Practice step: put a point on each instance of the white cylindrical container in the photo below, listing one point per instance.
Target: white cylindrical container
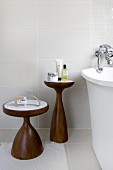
(52, 77)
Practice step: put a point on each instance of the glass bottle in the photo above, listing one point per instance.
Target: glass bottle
(64, 73)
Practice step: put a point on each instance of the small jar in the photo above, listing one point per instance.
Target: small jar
(20, 101)
(52, 77)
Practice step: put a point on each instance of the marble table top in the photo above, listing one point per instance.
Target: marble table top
(31, 105)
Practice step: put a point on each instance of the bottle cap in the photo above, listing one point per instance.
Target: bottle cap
(64, 66)
(59, 78)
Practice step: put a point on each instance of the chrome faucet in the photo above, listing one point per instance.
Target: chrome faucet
(105, 51)
(98, 69)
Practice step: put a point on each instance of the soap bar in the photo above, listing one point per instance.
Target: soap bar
(20, 101)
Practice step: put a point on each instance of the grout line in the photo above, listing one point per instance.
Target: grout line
(63, 2)
(58, 30)
(79, 143)
(69, 166)
(47, 128)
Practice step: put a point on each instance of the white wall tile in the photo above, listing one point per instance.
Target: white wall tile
(44, 134)
(76, 100)
(65, 1)
(79, 120)
(17, 1)
(9, 93)
(35, 121)
(45, 120)
(18, 73)
(101, 1)
(17, 15)
(76, 108)
(83, 136)
(49, 95)
(10, 122)
(5, 135)
(61, 44)
(18, 45)
(65, 16)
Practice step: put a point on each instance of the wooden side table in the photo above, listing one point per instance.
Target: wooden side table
(58, 131)
(27, 143)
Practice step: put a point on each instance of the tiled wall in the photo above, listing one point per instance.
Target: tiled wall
(33, 33)
(64, 32)
(101, 24)
(18, 53)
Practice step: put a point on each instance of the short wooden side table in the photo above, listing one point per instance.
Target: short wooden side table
(27, 143)
(58, 131)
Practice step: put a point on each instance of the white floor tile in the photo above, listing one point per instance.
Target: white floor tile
(12, 135)
(80, 136)
(44, 134)
(79, 151)
(82, 157)
(4, 133)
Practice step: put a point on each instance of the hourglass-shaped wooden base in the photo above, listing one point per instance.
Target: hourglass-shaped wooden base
(58, 131)
(27, 143)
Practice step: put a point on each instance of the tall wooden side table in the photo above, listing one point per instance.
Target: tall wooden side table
(58, 131)
(27, 143)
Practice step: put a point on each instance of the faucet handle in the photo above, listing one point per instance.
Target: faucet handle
(97, 53)
(109, 62)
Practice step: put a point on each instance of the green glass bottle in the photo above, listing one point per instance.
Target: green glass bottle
(64, 73)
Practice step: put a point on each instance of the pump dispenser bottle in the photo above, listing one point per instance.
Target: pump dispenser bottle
(64, 73)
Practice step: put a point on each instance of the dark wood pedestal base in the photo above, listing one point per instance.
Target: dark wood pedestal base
(27, 143)
(58, 131)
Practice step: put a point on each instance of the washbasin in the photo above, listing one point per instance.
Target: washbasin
(104, 78)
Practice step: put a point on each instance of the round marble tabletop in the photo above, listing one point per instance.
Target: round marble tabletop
(31, 105)
(30, 109)
(59, 84)
(62, 81)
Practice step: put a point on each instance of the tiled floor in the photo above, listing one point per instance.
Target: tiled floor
(79, 151)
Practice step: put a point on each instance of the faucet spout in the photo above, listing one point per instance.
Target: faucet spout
(98, 69)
